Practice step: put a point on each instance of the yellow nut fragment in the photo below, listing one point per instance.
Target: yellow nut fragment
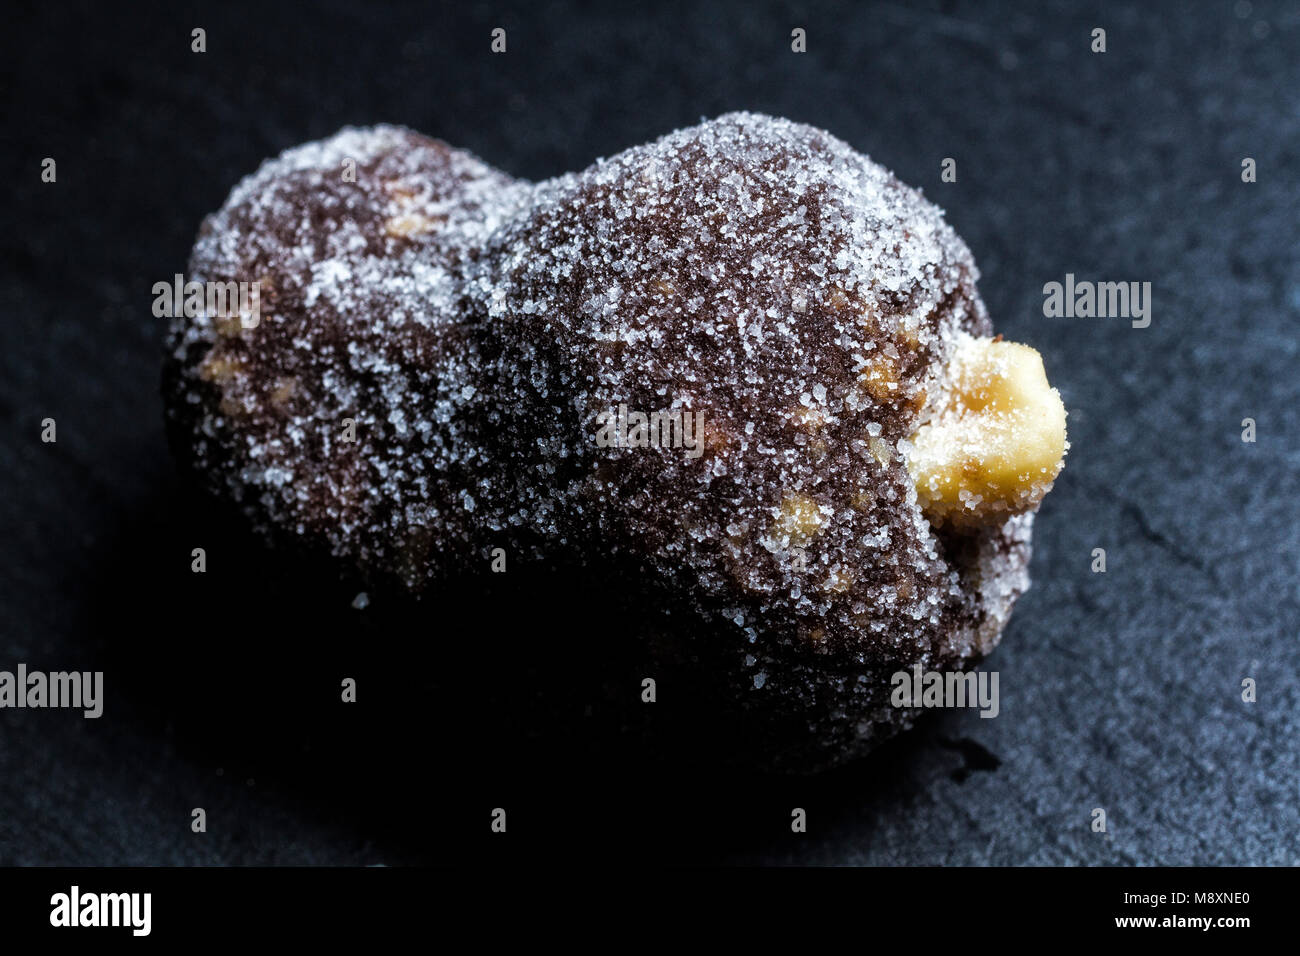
(880, 379)
(402, 191)
(406, 226)
(798, 520)
(220, 367)
(880, 450)
(996, 443)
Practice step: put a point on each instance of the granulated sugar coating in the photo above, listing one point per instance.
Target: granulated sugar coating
(361, 321)
(791, 302)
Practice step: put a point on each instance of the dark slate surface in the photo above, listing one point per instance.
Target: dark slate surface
(1119, 690)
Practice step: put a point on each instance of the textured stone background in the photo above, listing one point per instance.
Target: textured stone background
(1119, 690)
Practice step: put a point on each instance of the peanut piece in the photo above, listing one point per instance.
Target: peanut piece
(995, 445)
(799, 519)
(406, 226)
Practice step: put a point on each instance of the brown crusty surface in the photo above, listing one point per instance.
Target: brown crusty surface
(756, 271)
